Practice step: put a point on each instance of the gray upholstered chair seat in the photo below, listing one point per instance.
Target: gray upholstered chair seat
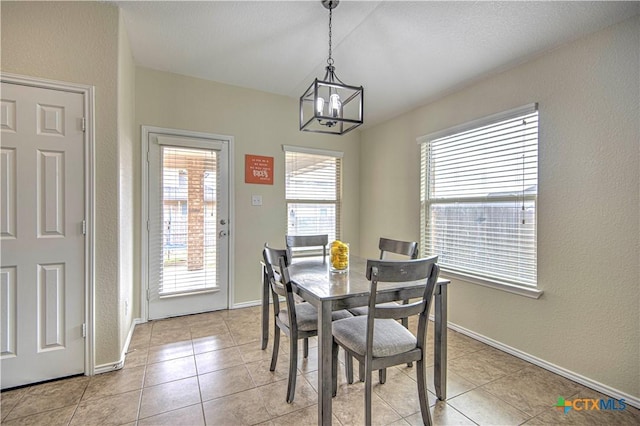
(364, 310)
(389, 336)
(307, 316)
(338, 315)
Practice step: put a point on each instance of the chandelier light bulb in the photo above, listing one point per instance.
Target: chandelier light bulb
(335, 105)
(320, 106)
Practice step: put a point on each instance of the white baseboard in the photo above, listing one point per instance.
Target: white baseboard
(105, 368)
(578, 378)
(113, 366)
(246, 304)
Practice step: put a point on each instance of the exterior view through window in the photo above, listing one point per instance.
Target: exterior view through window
(312, 186)
(189, 214)
(479, 185)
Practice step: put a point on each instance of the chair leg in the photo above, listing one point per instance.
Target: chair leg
(293, 368)
(276, 345)
(306, 348)
(382, 375)
(361, 371)
(367, 398)
(348, 366)
(405, 323)
(334, 369)
(422, 392)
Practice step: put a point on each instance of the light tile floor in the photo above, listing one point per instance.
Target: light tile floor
(209, 369)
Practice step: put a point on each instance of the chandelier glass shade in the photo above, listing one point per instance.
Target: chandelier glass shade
(329, 105)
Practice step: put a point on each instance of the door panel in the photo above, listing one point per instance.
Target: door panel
(8, 193)
(42, 196)
(188, 215)
(9, 307)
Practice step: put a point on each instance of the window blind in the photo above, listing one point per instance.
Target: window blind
(479, 185)
(312, 191)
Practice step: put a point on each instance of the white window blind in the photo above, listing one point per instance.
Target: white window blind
(479, 185)
(313, 190)
(188, 209)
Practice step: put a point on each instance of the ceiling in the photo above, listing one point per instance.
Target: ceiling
(404, 53)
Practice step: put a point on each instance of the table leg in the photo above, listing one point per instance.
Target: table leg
(265, 308)
(325, 340)
(440, 340)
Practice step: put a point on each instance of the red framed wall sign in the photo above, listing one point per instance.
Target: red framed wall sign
(258, 169)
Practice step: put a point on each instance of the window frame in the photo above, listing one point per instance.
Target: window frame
(511, 286)
(337, 203)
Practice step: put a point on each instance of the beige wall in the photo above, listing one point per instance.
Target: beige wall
(588, 319)
(77, 42)
(260, 124)
(128, 299)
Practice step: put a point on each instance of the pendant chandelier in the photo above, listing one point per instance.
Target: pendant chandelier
(329, 105)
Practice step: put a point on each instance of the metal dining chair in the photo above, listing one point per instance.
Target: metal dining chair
(406, 248)
(265, 295)
(297, 241)
(297, 320)
(377, 340)
(386, 246)
(302, 241)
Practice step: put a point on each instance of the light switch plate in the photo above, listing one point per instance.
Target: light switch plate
(256, 200)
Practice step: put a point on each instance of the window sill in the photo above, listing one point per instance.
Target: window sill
(530, 292)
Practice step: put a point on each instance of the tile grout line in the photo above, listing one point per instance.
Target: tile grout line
(144, 377)
(204, 419)
(27, 388)
(75, 411)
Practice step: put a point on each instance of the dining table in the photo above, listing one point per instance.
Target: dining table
(329, 291)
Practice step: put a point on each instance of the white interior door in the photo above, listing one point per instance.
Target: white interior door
(188, 244)
(42, 202)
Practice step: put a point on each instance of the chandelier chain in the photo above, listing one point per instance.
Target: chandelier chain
(330, 59)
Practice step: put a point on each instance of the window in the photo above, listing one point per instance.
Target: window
(479, 185)
(312, 191)
(188, 209)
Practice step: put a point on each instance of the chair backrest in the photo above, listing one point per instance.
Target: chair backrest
(274, 254)
(276, 264)
(271, 258)
(406, 248)
(394, 271)
(307, 241)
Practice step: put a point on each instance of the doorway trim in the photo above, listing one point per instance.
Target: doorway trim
(88, 93)
(144, 209)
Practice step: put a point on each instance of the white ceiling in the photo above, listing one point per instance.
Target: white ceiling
(403, 53)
